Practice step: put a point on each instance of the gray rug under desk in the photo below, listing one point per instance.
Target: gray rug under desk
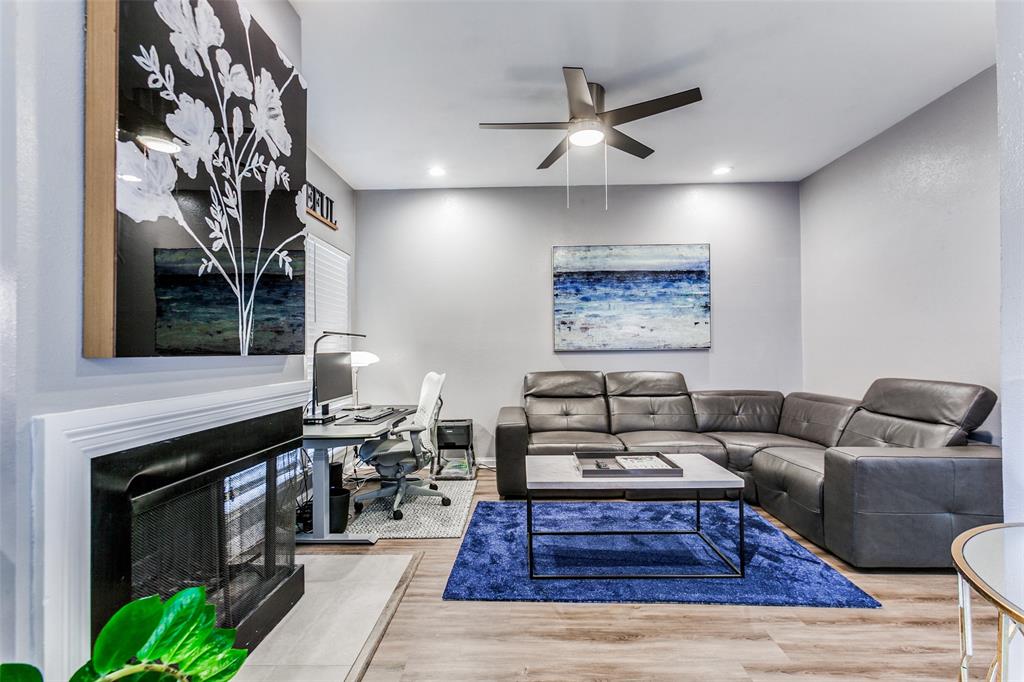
(423, 517)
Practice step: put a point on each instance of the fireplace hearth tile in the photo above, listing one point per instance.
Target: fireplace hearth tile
(337, 624)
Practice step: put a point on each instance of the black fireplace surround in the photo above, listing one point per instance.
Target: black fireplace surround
(213, 508)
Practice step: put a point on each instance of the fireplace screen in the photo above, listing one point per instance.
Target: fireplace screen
(234, 534)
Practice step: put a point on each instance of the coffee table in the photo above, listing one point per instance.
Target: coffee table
(558, 472)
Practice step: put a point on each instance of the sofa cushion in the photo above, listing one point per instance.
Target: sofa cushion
(737, 410)
(645, 383)
(917, 413)
(674, 442)
(568, 442)
(651, 413)
(646, 401)
(964, 406)
(567, 414)
(789, 486)
(564, 384)
(565, 401)
(816, 417)
(741, 445)
(870, 429)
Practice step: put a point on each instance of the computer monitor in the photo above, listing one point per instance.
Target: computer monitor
(332, 377)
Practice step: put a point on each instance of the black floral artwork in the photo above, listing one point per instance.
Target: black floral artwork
(211, 157)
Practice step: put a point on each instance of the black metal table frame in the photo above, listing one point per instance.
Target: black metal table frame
(733, 571)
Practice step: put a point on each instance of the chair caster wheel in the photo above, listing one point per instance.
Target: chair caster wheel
(432, 486)
(397, 515)
(445, 502)
(358, 507)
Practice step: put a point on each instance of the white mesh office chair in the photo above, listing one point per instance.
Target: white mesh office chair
(396, 459)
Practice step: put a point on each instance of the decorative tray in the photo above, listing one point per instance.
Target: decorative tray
(625, 465)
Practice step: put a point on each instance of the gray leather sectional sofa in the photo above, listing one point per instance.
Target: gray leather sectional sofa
(885, 481)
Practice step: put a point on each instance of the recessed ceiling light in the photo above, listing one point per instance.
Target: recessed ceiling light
(159, 144)
(128, 177)
(436, 171)
(586, 133)
(722, 170)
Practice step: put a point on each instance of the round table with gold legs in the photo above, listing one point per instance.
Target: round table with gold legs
(990, 559)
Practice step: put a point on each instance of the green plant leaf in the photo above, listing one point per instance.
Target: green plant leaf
(178, 619)
(149, 676)
(212, 666)
(19, 672)
(125, 633)
(85, 674)
(193, 640)
(216, 642)
(231, 661)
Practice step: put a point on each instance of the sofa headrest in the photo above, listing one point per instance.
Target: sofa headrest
(645, 383)
(564, 384)
(965, 406)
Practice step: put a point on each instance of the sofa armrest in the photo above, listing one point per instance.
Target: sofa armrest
(902, 507)
(511, 437)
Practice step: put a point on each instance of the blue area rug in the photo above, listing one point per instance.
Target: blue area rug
(491, 565)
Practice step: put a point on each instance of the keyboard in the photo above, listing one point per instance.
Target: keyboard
(373, 414)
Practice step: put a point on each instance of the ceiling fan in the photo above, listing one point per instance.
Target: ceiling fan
(589, 124)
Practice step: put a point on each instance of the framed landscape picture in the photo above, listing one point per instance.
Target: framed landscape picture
(632, 297)
(194, 239)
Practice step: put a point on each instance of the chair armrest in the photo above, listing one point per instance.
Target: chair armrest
(902, 507)
(511, 438)
(409, 428)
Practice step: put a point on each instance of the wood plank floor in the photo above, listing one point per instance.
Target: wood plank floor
(912, 637)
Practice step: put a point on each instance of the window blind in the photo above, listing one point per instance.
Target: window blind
(327, 305)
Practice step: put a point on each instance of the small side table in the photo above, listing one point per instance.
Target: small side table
(990, 559)
(456, 460)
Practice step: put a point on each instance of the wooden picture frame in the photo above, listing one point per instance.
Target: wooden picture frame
(99, 291)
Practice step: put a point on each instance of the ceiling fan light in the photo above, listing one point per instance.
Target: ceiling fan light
(586, 133)
(159, 144)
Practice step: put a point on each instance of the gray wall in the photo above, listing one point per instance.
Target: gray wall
(14, 470)
(41, 173)
(460, 281)
(326, 180)
(900, 251)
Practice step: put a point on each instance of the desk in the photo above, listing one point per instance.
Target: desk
(321, 440)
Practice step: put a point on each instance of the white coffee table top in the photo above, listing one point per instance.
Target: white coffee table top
(558, 472)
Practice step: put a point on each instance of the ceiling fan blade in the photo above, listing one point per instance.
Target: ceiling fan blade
(552, 125)
(581, 104)
(555, 154)
(650, 107)
(627, 143)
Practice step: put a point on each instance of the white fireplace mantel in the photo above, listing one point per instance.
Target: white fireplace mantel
(64, 444)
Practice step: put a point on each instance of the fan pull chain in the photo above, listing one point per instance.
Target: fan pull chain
(567, 171)
(606, 173)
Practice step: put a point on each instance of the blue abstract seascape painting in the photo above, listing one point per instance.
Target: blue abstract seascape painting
(632, 297)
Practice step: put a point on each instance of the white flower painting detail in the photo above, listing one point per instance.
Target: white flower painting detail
(268, 116)
(215, 135)
(145, 183)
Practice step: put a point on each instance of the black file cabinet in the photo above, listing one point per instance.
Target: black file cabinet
(456, 460)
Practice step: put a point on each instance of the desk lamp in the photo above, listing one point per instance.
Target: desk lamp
(360, 358)
(313, 402)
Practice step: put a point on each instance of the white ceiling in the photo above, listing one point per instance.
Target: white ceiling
(395, 87)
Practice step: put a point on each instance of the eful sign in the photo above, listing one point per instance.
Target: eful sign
(320, 206)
